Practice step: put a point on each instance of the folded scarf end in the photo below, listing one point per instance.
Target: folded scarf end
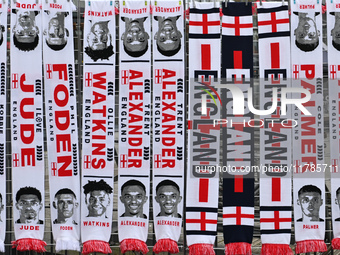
(67, 244)
(238, 248)
(96, 246)
(133, 245)
(310, 246)
(29, 244)
(336, 243)
(201, 248)
(276, 249)
(166, 245)
(2, 246)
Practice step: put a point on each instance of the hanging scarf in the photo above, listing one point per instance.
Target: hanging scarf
(238, 143)
(98, 126)
(333, 21)
(3, 114)
(61, 121)
(204, 137)
(168, 123)
(134, 125)
(27, 127)
(275, 138)
(308, 143)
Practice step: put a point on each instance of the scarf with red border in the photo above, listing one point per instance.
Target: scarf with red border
(3, 114)
(98, 125)
(275, 134)
(134, 125)
(62, 127)
(238, 143)
(333, 19)
(27, 128)
(168, 123)
(308, 140)
(204, 137)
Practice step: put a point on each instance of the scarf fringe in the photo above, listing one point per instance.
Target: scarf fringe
(67, 244)
(276, 249)
(2, 246)
(238, 248)
(310, 246)
(96, 246)
(29, 244)
(166, 245)
(336, 243)
(133, 245)
(201, 248)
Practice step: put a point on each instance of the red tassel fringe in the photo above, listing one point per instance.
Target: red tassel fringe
(201, 248)
(238, 248)
(336, 243)
(166, 245)
(276, 249)
(96, 246)
(29, 244)
(310, 246)
(133, 245)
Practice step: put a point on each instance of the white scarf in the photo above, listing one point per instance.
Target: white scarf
(134, 125)
(98, 125)
(61, 120)
(168, 123)
(27, 127)
(308, 142)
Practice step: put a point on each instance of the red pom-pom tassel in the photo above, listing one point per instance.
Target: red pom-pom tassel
(201, 248)
(166, 245)
(133, 245)
(29, 244)
(276, 249)
(238, 248)
(310, 246)
(336, 243)
(96, 246)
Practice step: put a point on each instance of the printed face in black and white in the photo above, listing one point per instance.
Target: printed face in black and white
(133, 197)
(135, 39)
(310, 203)
(25, 29)
(29, 207)
(97, 203)
(66, 204)
(56, 33)
(99, 37)
(168, 198)
(306, 31)
(168, 38)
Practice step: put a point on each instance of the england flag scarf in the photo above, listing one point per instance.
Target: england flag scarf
(134, 124)
(98, 126)
(333, 22)
(168, 123)
(238, 133)
(204, 137)
(27, 126)
(275, 131)
(3, 114)
(61, 123)
(308, 142)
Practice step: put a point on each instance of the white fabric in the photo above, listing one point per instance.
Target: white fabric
(62, 127)
(27, 129)
(168, 123)
(308, 146)
(134, 121)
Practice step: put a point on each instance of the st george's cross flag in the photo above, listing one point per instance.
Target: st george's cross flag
(204, 138)
(276, 129)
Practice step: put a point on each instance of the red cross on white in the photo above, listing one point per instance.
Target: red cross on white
(158, 76)
(335, 166)
(158, 161)
(272, 23)
(208, 20)
(15, 159)
(48, 71)
(123, 161)
(296, 70)
(87, 161)
(332, 72)
(239, 215)
(54, 168)
(15, 80)
(276, 219)
(125, 77)
(203, 221)
(88, 79)
(237, 26)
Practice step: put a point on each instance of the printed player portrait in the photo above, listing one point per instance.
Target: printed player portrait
(133, 196)
(168, 38)
(29, 205)
(337, 201)
(135, 39)
(2, 207)
(306, 34)
(25, 31)
(56, 34)
(335, 32)
(66, 203)
(310, 201)
(97, 198)
(99, 41)
(168, 197)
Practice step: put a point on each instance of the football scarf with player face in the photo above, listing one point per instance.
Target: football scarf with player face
(134, 125)
(168, 123)
(98, 126)
(61, 123)
(308, 136)
(276, 130)
(27, 126)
